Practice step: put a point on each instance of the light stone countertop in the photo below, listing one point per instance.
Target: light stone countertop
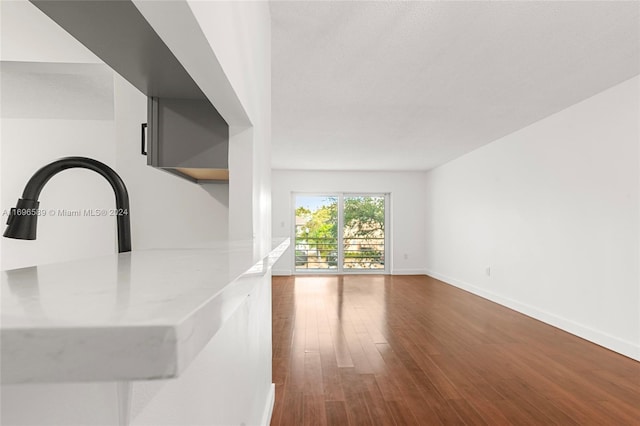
(131, 316)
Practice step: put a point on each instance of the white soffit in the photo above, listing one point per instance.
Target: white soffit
(412, 85)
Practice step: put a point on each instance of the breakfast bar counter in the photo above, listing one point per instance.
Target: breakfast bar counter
(141, 315)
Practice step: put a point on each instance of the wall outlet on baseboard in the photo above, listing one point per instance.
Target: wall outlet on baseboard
(488, 271)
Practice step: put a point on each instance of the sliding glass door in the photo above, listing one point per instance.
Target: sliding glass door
(363, 227)
(316, 231)
(340, 233)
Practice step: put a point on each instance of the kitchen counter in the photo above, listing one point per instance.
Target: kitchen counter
(132, 316)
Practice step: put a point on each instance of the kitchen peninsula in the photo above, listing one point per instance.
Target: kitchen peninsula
(137, 316)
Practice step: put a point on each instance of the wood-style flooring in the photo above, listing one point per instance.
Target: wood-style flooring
(411, 350)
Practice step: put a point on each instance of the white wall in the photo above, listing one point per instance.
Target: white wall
(240, 35)
(407, 209)
(166, 211)
(57, 101)
(29, 35)
(553, 210)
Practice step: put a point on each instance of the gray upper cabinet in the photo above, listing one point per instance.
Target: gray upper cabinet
(189, 138)
(185, 135)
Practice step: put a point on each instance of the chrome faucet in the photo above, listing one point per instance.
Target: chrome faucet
(23, 219)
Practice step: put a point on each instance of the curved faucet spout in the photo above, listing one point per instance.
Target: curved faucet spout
(22, 222)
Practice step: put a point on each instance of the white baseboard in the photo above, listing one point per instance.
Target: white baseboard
(626, 348)
(409, 272)
(281, 272)
(268, 408)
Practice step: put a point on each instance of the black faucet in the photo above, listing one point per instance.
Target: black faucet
(23, 218)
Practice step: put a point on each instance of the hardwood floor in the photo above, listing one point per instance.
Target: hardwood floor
(410, 350)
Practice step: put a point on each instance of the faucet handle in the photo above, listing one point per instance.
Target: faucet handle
(23, 220)
(12, 214)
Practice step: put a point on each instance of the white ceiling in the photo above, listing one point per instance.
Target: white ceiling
(412, 85)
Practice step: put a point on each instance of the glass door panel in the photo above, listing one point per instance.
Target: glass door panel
(316, 233)
(363, 232)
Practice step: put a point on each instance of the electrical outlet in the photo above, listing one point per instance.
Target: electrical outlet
(406, 256)
(488, 271)
(282, 224)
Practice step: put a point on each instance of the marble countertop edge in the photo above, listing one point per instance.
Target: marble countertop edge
(133, 349)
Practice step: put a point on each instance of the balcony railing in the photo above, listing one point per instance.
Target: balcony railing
(322, 253)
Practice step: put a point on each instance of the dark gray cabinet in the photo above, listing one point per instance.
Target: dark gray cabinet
(185, 134)
(189, 138)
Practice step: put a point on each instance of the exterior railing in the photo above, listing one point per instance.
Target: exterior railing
(322, 253)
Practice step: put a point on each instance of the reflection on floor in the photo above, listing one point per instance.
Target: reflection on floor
(373, 349)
